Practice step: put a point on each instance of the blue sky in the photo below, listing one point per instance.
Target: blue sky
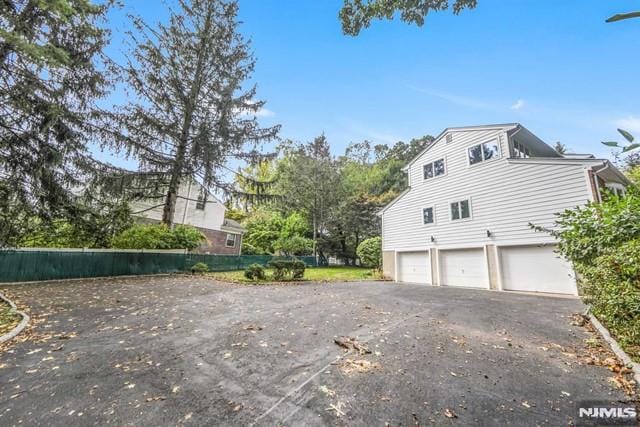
(553, 66)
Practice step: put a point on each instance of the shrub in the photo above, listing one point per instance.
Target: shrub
(287, 269)
(603, 242)
(611, 286)
(199, 268)
(255, 272)
(370, 252)
(158, 236)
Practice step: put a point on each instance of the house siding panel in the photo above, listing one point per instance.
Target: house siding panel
(505, 198)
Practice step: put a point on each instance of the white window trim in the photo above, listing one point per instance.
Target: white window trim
(615, 186)
(422, 216)
(446, 169)
(484, 161)
(458, 200)
(235, 240)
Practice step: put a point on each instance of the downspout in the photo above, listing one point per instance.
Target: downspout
(595, 176)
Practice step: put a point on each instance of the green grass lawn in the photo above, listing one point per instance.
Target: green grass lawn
(8, 318)
(318, 274)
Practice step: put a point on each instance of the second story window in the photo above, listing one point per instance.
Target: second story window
(483, 152)
(202, 201)
(433, 169)
(460, 210)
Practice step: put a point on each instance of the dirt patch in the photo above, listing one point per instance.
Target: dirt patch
(9, 319)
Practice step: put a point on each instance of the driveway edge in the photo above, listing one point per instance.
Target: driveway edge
(619, 352)
(23, 323)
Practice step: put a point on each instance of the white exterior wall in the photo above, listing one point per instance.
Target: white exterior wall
(212, 217)
(505, 197)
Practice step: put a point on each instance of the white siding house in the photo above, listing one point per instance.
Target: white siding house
(464, 220)
(198, 208)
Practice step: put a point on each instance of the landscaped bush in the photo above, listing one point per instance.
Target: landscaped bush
(611, 286)
(287, 269)
(158, 236)
(255, 272)
(370, 252)
(199, 268)
(602, 240)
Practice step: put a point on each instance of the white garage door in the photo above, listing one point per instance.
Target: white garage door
(536, 269)
(464, 267)
(414, 267)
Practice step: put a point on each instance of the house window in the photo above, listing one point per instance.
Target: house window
(483, 152)
(231, 240)
(520, 151)
(460, 210)
(433, 169)
(428, 216)
(202, 201)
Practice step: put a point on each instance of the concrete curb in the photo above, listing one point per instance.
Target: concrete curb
(619, 352)
(23, 323)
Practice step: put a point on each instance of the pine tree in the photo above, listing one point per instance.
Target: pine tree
(49, 83)
(192, 112)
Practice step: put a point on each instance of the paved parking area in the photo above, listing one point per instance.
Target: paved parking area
(174, 350)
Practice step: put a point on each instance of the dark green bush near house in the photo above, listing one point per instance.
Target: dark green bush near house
(602, 240)
(611, 286)
(370, 252)
(255, 272)
(158, 236)
(199, 268)
(287, 269)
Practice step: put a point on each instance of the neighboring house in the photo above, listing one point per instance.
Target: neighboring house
(464, 220)
(196, 207)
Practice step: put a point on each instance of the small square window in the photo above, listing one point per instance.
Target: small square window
(231, 240)
(427, 216)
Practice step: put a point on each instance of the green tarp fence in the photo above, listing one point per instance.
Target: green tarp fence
(29, 266)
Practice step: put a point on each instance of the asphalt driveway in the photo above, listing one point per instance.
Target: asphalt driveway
(173, 350)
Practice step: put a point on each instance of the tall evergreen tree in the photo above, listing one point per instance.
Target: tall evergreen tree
(192, 111)
(49, 82)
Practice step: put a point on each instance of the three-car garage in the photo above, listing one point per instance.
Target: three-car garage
(526, 268)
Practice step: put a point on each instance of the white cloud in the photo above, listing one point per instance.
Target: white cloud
(519, 105)
(264, 112)
(630, 123)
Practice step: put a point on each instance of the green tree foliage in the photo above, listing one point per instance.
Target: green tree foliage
(269, 231)
(92, 231)
(307, 182)
(51, 68)
(294, 245)
(625, 148)
(358, 14)
(193, 109)
(158, 236)
(370, 252)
